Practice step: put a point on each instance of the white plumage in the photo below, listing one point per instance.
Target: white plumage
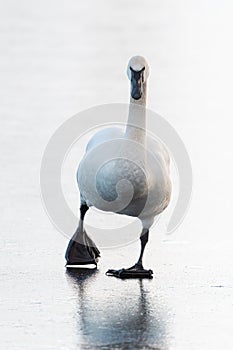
(125, 170)
(152, 174)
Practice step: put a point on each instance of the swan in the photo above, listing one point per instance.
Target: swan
(133, 179)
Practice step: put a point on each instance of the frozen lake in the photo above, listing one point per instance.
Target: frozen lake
(57, 59)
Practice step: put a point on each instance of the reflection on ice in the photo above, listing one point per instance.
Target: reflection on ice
(123, 316)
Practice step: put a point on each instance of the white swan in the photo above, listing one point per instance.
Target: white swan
(123, 171)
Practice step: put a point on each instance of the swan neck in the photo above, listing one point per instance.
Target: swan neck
(136, 124)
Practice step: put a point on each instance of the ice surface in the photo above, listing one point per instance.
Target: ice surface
(58, 58)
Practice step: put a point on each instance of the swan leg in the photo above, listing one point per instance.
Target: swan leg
(144, 239)
(137, 270)
(81, 249)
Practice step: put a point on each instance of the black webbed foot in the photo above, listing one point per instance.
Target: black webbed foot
(81, 252)
(136, 271)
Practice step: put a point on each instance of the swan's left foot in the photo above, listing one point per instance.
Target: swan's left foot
(82, 253)
(136, 271)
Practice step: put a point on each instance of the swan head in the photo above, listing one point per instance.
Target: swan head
(138, 72)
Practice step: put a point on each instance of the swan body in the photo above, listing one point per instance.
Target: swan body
(156, 172)
(124, 170)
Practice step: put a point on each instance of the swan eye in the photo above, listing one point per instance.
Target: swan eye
(143, 70)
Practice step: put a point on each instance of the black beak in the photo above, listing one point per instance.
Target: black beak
(136, 84)
(136, 89)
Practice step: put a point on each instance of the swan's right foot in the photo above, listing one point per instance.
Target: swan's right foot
(136, 271)
(83, 254)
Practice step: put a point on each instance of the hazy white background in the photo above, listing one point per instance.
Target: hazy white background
(58, 58)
